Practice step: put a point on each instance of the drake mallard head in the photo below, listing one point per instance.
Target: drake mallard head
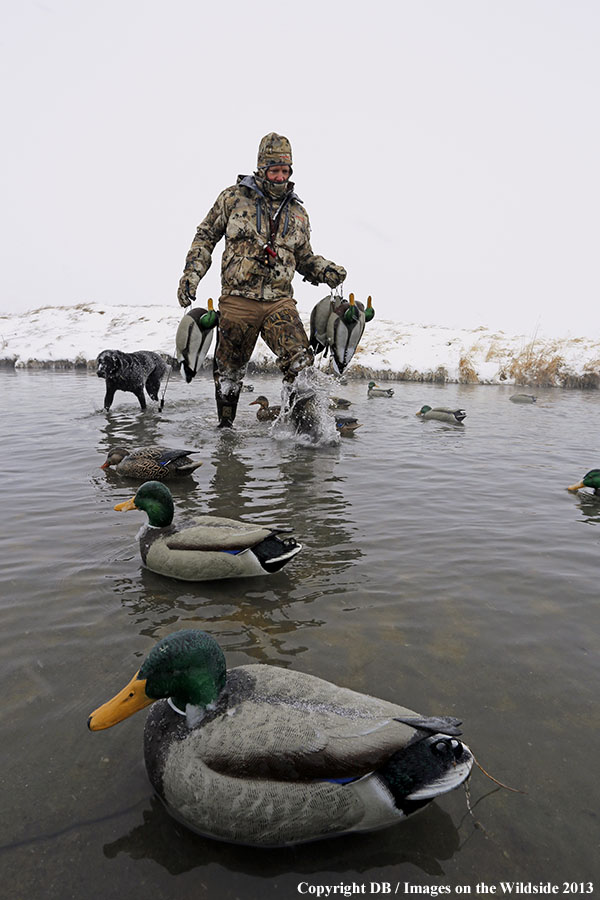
(591, 479)
(156, 500)
(423, 410)
(188, 667)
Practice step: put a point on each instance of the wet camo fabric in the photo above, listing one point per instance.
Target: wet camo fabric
(241, 215)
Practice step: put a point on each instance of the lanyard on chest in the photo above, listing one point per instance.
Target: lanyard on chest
(273, 220)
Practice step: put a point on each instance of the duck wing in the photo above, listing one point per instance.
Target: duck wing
(288, 725)
(215, 533)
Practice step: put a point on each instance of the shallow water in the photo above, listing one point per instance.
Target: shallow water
(446, 568)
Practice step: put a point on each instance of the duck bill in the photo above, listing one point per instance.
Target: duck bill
(253, 403)
(104, 465)
(575, 487)
(126, 505)
(130, 700)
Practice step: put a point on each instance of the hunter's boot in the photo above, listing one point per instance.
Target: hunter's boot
(226, 406)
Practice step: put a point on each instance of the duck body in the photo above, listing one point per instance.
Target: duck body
(265, 413)
(339, 403)
(279, 757)
(591, 479)
(194, 337)
(443, 414)
(522, 398)
(150, 463)
(347, 425)
(337, 325)
(373, 390)
(210, 548)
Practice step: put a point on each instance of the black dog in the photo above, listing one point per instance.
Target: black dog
(129, 372)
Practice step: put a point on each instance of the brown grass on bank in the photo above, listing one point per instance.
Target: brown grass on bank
(467, 374)
(529, 368)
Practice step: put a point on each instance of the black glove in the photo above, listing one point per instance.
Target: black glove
(186, 292)
(334, 275)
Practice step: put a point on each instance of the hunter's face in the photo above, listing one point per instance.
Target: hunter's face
(278, 174)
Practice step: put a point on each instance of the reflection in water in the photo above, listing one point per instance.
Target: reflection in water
(423, 841)
(589, 504)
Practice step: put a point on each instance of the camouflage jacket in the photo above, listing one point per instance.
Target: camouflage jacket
(241, 213)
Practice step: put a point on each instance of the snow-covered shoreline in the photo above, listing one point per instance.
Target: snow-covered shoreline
(72, 337)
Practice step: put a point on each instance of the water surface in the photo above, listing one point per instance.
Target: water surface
(445, 568)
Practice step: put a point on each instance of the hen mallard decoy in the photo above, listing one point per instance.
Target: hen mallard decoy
(150, 463)
(347, 425)
(339, 403)
(267, 756)
(265, 413)
(591, 479)
(443, 414)
(373, 390)
(211, 547)
(523, 398)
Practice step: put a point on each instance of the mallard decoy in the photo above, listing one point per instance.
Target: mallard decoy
(194, 337)
(337, 325)
(339, 403)
(347, 425)
(373, 390)
(150, 463)
(443, 414)
(267, 756)
(591, 479)
(523, 398)
(211, 548)
(265, 413)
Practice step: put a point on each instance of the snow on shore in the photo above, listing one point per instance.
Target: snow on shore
(72, 336)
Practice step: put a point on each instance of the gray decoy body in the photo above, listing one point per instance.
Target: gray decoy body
(522, 398)
(443, 414)
(270, 757)
(337, 325)
(194, 337)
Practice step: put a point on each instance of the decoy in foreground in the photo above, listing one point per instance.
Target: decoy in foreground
(347, 425)
(373, 390)
(150, 463)
(211, 547)
(523, 398)
(443, 414)
(591, 479)
(265, 413)
(267, 756)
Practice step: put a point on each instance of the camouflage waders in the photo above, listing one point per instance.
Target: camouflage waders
(241, 321)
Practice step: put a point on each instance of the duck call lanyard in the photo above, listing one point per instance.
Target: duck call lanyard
(273, 219)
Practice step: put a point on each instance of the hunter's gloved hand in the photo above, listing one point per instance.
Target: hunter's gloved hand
(186, 292)
(334, 275)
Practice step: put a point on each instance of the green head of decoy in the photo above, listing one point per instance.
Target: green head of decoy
(591, 479)
(187, 666)
(423, 410)
(210, 318)
(351, 314)
(372, 384)
(369, 311)
(156, 500)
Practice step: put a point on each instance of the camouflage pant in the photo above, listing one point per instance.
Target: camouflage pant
(241, 321)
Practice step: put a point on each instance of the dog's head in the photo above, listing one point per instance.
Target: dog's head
(107, 363)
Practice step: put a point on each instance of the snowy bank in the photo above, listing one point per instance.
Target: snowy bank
(73, 336)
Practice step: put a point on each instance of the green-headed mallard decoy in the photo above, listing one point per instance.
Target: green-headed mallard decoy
(150, 463)
(523, 398)
(591, 479)
(265, 413)
(194, 337)
(373, 390)
(339, 403)
(347, 425)
(211, 548)
(443, 414)
(267, 756)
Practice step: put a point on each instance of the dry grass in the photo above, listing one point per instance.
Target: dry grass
(467, 373)
(529, 368)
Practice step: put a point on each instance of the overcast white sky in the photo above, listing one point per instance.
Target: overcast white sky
(447, 150)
